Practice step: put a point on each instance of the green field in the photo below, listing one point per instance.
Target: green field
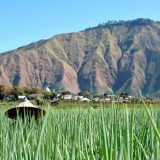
(67, 133)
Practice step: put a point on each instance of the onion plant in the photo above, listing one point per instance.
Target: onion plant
(97, 134)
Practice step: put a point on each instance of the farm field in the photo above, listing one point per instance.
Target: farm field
(68, 132)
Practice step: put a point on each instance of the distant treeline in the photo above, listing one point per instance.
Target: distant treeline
(139, 21)
(14, 91)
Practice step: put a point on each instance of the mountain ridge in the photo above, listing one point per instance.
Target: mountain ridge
(114, 57)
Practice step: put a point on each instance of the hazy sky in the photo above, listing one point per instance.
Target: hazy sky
(26, 21)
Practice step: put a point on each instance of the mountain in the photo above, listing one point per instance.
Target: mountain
(114, 57)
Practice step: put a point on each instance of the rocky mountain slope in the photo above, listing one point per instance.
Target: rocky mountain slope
(116, 56)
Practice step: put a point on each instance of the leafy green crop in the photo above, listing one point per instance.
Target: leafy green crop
(109, 134)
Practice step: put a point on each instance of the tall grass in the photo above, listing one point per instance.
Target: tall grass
(108, 134)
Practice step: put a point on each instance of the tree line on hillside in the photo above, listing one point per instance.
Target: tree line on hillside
(138, 21)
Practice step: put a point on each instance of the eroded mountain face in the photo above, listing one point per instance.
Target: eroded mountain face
(119, 57)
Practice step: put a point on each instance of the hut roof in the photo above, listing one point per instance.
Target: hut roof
(26, 103)
(23, 109)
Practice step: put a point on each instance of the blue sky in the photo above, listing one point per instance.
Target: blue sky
(26, 21)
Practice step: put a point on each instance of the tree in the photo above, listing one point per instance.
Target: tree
(66, 92)
(36, 90)
(27, 90)
(105, 95)
(40, 101)
(108, 93)
(47, 95)
(124, 95)
(16, 91)
(53, 95)
(85, 94)
(2, 92)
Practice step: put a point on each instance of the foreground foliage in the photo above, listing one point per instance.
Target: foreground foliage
(115, 133)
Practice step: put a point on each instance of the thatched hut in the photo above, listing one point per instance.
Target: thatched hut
(23, 109)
